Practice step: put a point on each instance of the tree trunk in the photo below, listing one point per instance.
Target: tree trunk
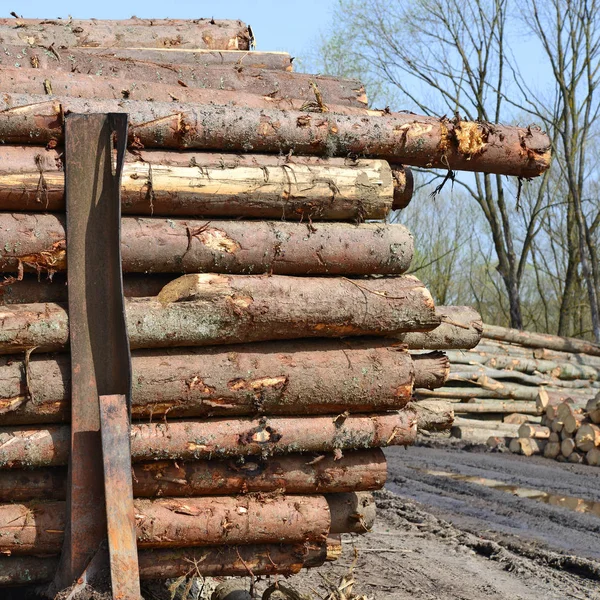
(219, 309)
(139, 33)
(477, 435)
(433, 415)
(397, 137)
(460, 328)
(592, 409)
(179, 522)
(133, 80)
(358, 470)
(496, 406)
(276, 378)
(588, 437)
(29, 447)
(210, 561)
(431, 369)
(527, 446)
(538, 432)
(151, 245)
(507, 429)
(552, 450)
(217, 185)
(540, 340)
(351, 512)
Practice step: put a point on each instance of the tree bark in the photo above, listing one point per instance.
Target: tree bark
(210, 561)
(37, 243)
(219, 309)
(540, 340)
(496, 406)
(431, 369)
(214, 185)
(134, 80)
(358, 470)
(433, 415)
(179, 522)
(140, 33)
(460, 328)
(276, 378)
(404, 186)
(397, 137)
(30, 447)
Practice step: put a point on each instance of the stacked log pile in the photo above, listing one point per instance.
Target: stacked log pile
(532, 392)
(267, 302)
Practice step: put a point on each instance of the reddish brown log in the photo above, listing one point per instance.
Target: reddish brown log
(218, 309)
(397, 137)
(285, 378)
(358, 470)
(212, 185)
(140, 33)
(431, 370)
(218, 561)
(351, 512)
(29, 447)
(132, 80)
(37, 242)
(61, 59)
(460, 329)
(404, 186)
(179, 522)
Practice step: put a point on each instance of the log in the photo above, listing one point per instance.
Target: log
(219, 309)
(540, 340)
(537, 432)
(567, 447)
(404, 186)
(564, 434)
(179, 522)
(460, 328)
(576, 457)
(431, 369)
(397, 137)
(32, 447)
(351, 512)
(214, 185)
(587, 437)
(109, 78)
(592, 457)
(358, 470)
(277, 378)
(518, 419)
(552, 449)
(140, 33)
(433, 415)
(496, 406)
(572, 423)
(556, 396)
(592, 409)
(36, 242)
(507, 429)
(475, 435)
(210, 561)
(527, 446)
(496, 441)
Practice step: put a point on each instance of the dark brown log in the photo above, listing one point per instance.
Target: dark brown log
(540, 340)
(61, 59)
(212, 185)
(351, 512)
(29, 447)
(431, 369)
(433, 415)
(109, 78)
(179, 522)
(140, 33)
(358, 470)
(215, 561)
(460, 328)
(285, 378)
(219, 309)
(397, 137)
(36, 242)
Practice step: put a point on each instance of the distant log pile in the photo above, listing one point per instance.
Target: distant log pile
(277, 337)
(535, 393)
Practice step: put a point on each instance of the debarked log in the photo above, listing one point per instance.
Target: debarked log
(133, 80)
(210, 33)
(36, 242)
(207, 309)
(460, 328)
(210, 561)
(217, 185)
(277, 378)
(497, 406)
(38, 528)
(31, 447)
(325, 473)
(397, 137)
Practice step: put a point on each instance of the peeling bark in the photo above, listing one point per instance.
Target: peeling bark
(207, 309)
(36, 242)
(396, 137)
(31, 447)
(431, 370)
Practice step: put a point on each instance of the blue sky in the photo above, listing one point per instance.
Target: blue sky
(278, 25)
